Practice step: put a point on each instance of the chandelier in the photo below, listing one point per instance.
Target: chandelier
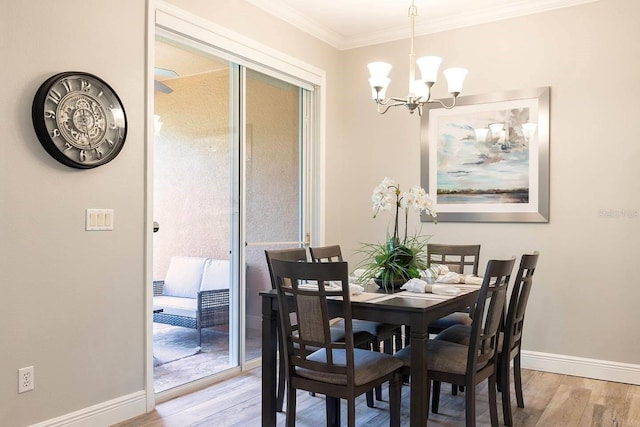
(419, 90)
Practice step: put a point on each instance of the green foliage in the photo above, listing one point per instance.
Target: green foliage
(393, 260)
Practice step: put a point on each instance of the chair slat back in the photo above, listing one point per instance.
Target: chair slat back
(487, 315)
(293, 254)
(304, 288)
(326, 254)
(459, 258)
(518, 303)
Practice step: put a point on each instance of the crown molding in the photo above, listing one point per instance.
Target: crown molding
(473, 17)
(301, 21)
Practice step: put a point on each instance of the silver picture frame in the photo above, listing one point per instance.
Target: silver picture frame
(495, 176)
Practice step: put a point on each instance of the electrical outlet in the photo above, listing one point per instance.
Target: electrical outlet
(25, 379)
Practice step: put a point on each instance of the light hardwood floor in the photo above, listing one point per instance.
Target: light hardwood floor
(551, 400)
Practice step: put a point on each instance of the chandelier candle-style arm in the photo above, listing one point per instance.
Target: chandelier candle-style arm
(419, 90)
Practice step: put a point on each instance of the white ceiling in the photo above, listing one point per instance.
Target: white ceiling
(346, 24)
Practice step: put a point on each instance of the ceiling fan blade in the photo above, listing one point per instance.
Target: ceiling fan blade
(164, 72)
(161, 87)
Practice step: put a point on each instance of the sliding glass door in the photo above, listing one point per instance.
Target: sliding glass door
(229, 164)
(273, 187)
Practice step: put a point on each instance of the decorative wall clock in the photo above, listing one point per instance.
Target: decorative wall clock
(79, 119)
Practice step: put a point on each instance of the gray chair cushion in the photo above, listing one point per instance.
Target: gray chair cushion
(450, 320)
(442, 356)
(459, 334)
(361, 326)
(368, 366)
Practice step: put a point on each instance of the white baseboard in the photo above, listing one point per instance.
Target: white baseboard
(581, 367)
(103, 414)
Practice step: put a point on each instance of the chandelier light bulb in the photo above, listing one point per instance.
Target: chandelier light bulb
(429, 66)
(379, 70)
(379, 83)
(419, 89)
(455, 78)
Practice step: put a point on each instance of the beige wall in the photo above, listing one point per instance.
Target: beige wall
(585, 300)
(73, 300)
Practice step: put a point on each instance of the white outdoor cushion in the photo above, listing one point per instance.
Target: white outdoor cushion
(175, 305)
(216, 275)
(184, 276)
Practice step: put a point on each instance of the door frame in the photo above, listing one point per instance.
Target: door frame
(230, 45)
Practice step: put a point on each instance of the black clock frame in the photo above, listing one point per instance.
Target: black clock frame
(39, 125)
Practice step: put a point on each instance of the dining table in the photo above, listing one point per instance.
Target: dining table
(414, 310)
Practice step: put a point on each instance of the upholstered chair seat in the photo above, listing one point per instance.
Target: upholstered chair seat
(457, 318)
(441, 356)
(367, 366)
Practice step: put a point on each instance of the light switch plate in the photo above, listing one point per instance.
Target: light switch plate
(99, 220)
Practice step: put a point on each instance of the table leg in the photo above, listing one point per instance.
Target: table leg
(269, 349)
(419, 404)
(333, 411)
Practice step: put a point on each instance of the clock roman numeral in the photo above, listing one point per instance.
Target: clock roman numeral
(49, 114)
(54, 96)
(67, 85)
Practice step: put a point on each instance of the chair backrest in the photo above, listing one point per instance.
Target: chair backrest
(488, 312)
(456, 257)
(293, 254)
(184, 276)
(215, 274)
(326, 254)
(303, 288)
(518, 302)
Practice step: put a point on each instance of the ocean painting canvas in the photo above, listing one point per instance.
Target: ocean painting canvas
(493, 169)
(484, 157)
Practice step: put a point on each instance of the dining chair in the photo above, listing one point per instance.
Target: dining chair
(462, 259)
(512, 335)
(293, 254)
(510, 339)
(362, 337)
(315, 362)
(382, 332)
(469, 365)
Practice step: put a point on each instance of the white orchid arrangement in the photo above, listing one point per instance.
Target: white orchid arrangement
(397, 260)
(387, 195)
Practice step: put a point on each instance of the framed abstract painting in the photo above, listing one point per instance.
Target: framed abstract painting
(487, 159)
